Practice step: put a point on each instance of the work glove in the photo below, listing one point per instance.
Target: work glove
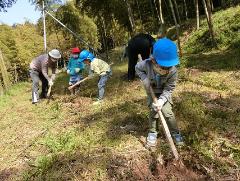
(68, 71)
(77, 70)
(158, 105)
(146, 84)
(50, 82)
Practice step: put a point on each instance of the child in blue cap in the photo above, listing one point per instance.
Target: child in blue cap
(75, 68)
(98, 67)
(160, 72)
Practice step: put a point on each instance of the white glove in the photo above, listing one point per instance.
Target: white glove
(68, 71)
(158, 105)
(146, 84)
(77, 70)
(50, 82)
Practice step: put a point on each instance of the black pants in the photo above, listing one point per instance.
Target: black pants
(36, 77)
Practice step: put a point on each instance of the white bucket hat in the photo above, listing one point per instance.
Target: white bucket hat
(54, 53)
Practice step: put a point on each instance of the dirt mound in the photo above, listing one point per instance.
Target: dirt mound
(7, 174)
(142, 168)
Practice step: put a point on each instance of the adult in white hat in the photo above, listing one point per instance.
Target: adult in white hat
(39, 72)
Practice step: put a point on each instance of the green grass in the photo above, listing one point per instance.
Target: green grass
(67, 138)
(226, 27)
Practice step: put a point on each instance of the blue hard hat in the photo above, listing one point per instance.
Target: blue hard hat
(165, 53)
(85, 54)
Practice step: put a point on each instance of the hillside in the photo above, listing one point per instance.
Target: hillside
(226, 27)
(67, 138)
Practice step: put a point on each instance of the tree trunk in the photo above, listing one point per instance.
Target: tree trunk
(176, 7)
(186, 10)
(160, 12)
(206, 11)
(212, 7)
(140, 14)
(197, 14)
(155, 3)
(15, 73)
(207, 8)
(3, 69)
(1, 88)
(177, 27)
(152, 10)
(104, 36)
(130, 16)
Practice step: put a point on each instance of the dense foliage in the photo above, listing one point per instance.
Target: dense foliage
(6, 4)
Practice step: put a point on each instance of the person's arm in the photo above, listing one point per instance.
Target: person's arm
(169, 87)
(80, 67)
(44, 65)
(141, 70)
(69, 64)
(53, 72)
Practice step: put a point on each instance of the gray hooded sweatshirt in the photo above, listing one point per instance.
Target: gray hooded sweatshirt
(161, 84)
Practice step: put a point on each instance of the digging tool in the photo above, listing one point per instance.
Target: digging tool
(79, 82)
(49, 91)
(164, 123)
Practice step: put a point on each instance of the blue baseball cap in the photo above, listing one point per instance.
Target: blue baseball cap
(165, 53)
(85, 54)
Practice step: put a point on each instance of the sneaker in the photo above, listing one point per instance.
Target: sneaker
(178, 139)
(97, 102)
(152, 139)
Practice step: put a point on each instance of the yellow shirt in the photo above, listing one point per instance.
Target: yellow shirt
(99, 67)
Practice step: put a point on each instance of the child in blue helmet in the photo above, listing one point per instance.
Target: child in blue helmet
(75, 67)
(99, 67)
(160, 73)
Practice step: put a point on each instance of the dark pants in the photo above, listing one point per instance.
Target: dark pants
(168, 115)
(36, 76)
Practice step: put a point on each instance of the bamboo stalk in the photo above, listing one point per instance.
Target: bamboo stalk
(1, 88)
(3, 69)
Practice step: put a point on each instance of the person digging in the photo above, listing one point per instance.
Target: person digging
(75, 68)
(39, 72)
(99, 67)
(160, 73)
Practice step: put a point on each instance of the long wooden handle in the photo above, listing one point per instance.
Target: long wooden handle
(79, 82)
(49, 91)
(164, 123)
(165, 126)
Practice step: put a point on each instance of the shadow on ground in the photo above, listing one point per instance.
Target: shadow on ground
(224, 60)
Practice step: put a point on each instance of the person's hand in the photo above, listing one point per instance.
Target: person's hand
(158, 105)
(68, 71)
(50, 82)
(77, 70)
(146, 84)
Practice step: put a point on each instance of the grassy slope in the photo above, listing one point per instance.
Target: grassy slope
(226, 27)
(82, 142)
